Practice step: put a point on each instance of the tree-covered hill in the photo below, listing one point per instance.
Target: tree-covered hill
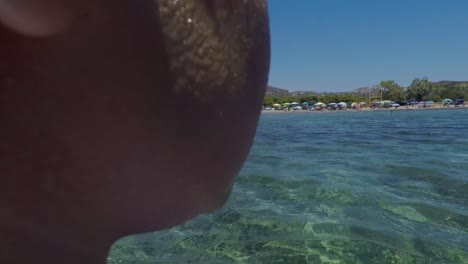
(420, 89)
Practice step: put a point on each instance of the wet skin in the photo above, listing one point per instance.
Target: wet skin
(122, 117)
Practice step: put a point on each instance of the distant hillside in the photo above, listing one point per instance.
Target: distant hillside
(363, 90)
(299, 93)
(454, 89)
(453, 84)
(367, 91)
(276, 92)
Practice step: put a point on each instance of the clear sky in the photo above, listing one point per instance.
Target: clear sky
(340, 45)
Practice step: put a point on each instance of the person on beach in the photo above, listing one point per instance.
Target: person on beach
(91, 146)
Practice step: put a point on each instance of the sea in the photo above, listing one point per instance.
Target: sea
(335, 187)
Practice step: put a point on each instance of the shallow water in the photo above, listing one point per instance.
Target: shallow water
(344, 187)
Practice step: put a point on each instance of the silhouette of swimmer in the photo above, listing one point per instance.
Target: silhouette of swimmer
(120, 117)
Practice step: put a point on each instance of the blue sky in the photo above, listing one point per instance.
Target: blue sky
(340, 45)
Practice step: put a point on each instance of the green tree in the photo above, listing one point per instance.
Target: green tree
(392, 90)
(436, 93)
(307, 98)
(270, 101)
(287, 99)
(454, 91)
(423, 89)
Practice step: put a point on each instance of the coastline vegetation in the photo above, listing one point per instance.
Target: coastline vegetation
(421, 89)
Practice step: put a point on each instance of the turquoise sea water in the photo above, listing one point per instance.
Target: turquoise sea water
(344, 187)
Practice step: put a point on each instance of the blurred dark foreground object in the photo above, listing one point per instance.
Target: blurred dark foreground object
(120, 117)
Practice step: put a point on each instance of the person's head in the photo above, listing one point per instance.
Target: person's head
(125, 116)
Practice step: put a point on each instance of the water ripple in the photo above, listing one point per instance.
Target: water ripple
(347, 187)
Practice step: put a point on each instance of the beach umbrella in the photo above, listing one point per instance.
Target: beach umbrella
(342, 104)
(319, 104)
(286, 104)
(354, 104)
(277, 106)
(305, 103)
(447, 101)
(294, 103)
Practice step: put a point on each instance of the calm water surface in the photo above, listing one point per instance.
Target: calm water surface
(344, 187)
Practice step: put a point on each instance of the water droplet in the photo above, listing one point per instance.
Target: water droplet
(189, 20)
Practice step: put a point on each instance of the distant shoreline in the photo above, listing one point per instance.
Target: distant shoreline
(365, 110)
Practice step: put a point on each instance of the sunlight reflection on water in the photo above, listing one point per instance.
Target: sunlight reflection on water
(369, 187)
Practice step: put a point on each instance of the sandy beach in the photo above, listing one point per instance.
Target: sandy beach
(367, 109)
